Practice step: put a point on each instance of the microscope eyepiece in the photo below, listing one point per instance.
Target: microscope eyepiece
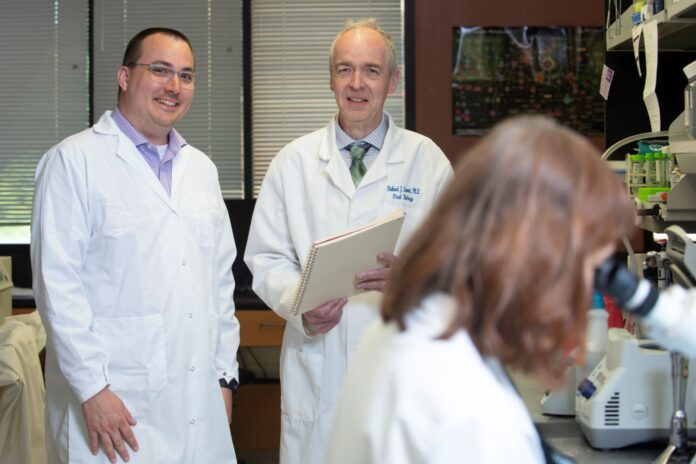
(628, 291)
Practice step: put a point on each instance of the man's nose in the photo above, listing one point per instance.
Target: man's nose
(173, 84)
(356, 80)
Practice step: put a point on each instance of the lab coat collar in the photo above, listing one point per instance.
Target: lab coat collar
(128, 152)
(391, 153)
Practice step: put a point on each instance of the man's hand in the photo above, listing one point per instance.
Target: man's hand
(227, 398)
(109, 421)
(325, 317)
(376, 279)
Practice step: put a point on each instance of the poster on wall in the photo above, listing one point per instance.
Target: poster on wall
(503, 71)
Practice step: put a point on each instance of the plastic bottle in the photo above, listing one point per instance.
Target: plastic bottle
(659, 169)
(668, 166)
(637, 8)
(649, 168)
(690, 100)
(595, 339)
(637, 170)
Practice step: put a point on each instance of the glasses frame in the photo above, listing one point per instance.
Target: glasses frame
(169, 74)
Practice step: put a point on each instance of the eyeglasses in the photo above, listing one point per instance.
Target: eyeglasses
(164, 74)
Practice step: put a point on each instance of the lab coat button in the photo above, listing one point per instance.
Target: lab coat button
(193, 421)
(183, 262)
(193, 368)
(190, 315)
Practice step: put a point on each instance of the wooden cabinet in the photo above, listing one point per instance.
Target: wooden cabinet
(256, 417)
(256, 423)
(260, 327)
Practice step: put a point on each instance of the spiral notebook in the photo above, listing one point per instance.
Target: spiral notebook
(332, 263)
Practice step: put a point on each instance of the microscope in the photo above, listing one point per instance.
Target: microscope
(670, 318)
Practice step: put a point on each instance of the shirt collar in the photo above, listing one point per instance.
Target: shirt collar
(374, 138)
(176, 141)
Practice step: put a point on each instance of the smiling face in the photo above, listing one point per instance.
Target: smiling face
(151, 106)
(360, 80)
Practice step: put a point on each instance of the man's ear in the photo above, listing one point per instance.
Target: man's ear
(122, 77)
(394, 80)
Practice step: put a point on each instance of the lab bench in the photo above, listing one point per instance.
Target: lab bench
(564, 434)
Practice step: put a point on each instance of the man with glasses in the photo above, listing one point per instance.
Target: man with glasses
(132, 253)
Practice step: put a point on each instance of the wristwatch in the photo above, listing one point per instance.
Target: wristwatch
(232, 384)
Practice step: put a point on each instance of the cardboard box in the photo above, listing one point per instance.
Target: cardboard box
(5, 288)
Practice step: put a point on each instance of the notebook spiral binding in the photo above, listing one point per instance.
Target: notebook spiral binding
(304, 280)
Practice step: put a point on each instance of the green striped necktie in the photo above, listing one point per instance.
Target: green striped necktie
(357, 167)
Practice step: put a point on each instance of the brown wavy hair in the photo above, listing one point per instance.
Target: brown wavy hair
(508, 240)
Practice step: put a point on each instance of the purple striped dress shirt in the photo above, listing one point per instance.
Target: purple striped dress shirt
(161, 167)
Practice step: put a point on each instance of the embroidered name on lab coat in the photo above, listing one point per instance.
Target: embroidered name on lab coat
(404, 193)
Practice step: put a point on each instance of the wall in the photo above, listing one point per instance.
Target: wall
(433, 23)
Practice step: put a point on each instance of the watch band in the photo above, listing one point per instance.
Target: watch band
(231, 385)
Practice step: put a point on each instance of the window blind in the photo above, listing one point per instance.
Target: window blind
(290, 68)
(213, 124)
(43, 97)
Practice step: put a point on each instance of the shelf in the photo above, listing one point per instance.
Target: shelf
(681, 144)
(681, 8)
(618, 34)
(676, 26)
(680, 208)
(654, 224)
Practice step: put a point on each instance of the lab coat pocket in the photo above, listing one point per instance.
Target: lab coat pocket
(301, 390)
(136, 349)
(113, 219)
(201, 212)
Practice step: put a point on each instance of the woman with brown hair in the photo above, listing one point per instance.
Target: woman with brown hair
(500, 274)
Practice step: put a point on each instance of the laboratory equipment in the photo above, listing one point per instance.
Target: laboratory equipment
(627, 399)
(682, 254)
(690, 100)
(642, 298)
(561, 401)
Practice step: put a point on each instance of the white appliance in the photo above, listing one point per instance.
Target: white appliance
(561, 401)
(627, 398)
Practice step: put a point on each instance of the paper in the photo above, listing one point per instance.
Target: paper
(331, 264)
(636, 32)
(649, 96)
(605, 83)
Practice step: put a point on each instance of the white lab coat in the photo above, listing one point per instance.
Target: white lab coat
(672, 322)
(409, 397)
(308, 194)
(135, 290)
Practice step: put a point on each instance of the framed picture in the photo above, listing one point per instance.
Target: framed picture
(502, 71)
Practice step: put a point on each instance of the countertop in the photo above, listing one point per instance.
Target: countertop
(564, 434)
